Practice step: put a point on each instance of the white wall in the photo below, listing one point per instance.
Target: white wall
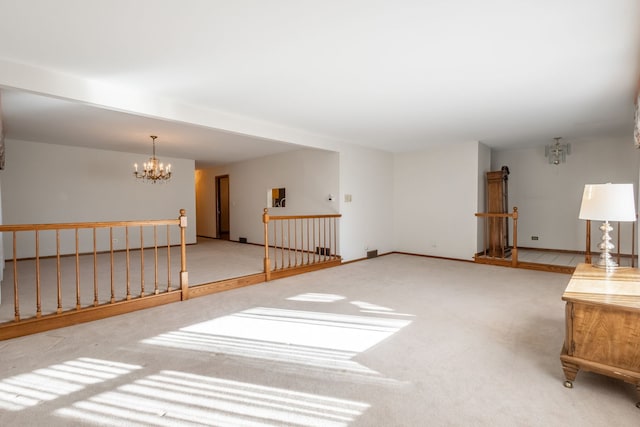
(47, 183)
(367, 221)
(435, 198)
(548, 196)
(484, 166)
(308, 176)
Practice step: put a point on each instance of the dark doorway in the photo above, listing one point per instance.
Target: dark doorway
(222, 210)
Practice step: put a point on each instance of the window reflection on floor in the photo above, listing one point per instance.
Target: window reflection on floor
(46, 384)
(314, 339)
(177, 398)
(299, 340)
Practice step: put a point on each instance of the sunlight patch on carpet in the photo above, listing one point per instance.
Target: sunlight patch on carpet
(315, 297)
(315, 339)
(46, 384)
(179, 398)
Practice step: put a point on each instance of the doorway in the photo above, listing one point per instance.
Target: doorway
(222, 209)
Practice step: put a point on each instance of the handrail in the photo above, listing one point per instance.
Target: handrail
(99, 224)
(299, 242)
(281, 217)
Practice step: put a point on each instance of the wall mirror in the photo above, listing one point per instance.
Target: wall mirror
(276, 198)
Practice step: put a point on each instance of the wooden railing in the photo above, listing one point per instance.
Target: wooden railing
(299, 243)
(496, 248)
(101, 269)
(497, 251)
(77, 292)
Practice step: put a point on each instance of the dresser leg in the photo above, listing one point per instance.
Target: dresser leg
(570, 372)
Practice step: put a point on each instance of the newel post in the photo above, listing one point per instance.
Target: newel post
(184, 275)
(514, 251)
(267, 263)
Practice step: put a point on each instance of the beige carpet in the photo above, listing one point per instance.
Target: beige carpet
(392, 341)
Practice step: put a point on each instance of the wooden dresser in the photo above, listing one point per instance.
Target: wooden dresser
(603, 324)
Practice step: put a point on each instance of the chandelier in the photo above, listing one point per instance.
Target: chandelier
(153, 171)
(557, 153)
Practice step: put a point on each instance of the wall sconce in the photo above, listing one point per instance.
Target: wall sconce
(607, 202)
(557, 153)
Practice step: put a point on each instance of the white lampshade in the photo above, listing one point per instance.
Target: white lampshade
(608, 202)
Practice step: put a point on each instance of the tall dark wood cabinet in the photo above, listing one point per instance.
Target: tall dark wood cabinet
(498, 202)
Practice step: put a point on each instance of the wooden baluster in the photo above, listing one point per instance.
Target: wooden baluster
(331, 238)
(312, 242)
(266, 261)
(128, 262)
(308, 243)
(289, 243)
(304, 242)
(503, 249)
(327, 239)
(95, 270)
(168, 259)
(184, 275)
(324, 239)
(282, 243)
(335, 237)
(113, 291)
(78, 302)
(486, 236)
(16, 298)
(141, 262)
(295, 242)
(58, 273)
(275, 245)
(514, 252)
(155, 257)
(274, 264)
(328, 244)
(38, 296)
(315, 244)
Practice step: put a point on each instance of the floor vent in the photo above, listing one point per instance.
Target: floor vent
(372, 254)
(323, 251)
(242, 240)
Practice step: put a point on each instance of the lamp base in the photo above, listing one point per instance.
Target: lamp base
(605, 261)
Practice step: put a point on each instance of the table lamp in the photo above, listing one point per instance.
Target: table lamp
(607, 202)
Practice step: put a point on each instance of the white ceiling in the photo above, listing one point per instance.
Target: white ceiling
(394, 75)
